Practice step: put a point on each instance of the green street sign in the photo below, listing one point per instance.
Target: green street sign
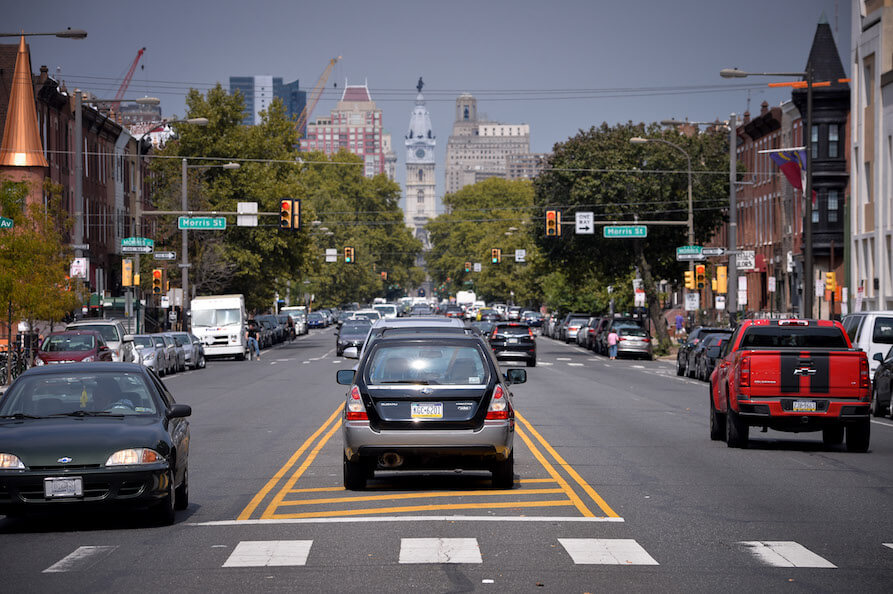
(5, 223)
(138, 242)
(214, 223)
(689, 252)
(624, 231)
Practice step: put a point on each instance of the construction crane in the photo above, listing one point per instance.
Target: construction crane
(314, 96)
(126, 82)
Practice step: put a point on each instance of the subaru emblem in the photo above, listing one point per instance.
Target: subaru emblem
(426, 391)
(64, 460)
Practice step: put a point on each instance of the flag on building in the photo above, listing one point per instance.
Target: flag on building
(792, 163)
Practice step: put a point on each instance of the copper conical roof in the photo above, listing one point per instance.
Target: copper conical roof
(21, 138)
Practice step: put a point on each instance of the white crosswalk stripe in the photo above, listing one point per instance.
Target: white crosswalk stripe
(888, 545)
(82, 558)
(439, 550)
(606, 551)
(785, 553)
(269, 553)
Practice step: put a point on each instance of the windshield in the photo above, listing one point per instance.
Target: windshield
(355, 330)
(792, 336)
(143, 341)
(385, 309)
(85, 393)
(68, 342)
(462, 365)
(108, 331)
(215, 317)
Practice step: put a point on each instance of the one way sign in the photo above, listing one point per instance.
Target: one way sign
(585, 223)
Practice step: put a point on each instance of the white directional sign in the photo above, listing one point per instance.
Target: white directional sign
(713, 251)
(746, 260)
(520, 255)
(247, 216)
(165, 255)
(331, 255)
(477, 267)
(585, 223)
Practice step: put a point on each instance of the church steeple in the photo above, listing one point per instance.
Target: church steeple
(21, 137)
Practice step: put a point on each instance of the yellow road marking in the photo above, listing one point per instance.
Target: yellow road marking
(572, 495)
(277, 499)
(332, 489)
(256, 500)
(422, 495)
(415, 508)
(318, 490)
(569, 469)
(536, 480)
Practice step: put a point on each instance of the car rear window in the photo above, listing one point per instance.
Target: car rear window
(883, 331)
(427, 364)
(108, 331)
(636, 331)
(513, 330)
(68, 342)
(577, 321)
(800, 337)
(89, 393)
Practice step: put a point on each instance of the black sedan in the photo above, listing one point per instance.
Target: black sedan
(93, 434)
(882, 386)
(513, 340)
(684, 354)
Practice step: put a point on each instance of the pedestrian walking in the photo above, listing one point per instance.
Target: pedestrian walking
(612, 344)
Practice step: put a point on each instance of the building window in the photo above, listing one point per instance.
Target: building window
(833, 140)
(815, 142)
(832, 206)
(815, 211)
(420, 197)
(421, 175)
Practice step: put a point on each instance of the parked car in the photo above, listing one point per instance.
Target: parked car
(316, 320)
(113, 334)
(691, 342)
(513, 341)
(586, 333)
(691, 364)
(706, 354)
(274, 326)
(100, 435)
(871, 331)
(176, 347)
(570, 325)
(73, 346)
(417, 377)
(149, 353)
(634, 341)
(596, 342)
(192, 349)
(169, 362)
(882, 386)
(264, 336)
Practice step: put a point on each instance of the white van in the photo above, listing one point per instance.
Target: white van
(219, 322)
(871, 331)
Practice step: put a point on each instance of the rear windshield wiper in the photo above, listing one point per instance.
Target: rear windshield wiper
(19, 416)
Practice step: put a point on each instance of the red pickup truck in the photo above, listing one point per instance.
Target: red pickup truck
(791, 375)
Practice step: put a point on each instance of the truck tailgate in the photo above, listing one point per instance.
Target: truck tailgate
(826, 373)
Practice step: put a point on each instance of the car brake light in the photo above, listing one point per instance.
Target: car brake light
(646, 340)
(493, 336)
(744, 372)
(530, 332)
(864, 374)
(499, 406)
(793, 322)
(356, 410)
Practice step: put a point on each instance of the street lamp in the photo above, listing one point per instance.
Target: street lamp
(808, 280)
(691, 220)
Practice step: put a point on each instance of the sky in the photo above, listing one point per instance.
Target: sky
(559, 66)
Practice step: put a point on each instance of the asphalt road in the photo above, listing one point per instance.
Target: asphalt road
(618, 488)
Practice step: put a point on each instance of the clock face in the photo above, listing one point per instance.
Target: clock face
(420, 153)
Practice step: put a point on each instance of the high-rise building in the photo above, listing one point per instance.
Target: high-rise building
(355, 126)
(420, 202)
(259, 92)
(477, 148)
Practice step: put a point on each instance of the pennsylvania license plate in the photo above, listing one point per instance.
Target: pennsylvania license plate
(426, 410)
(513, 341)
(804, 406)
(63, 487)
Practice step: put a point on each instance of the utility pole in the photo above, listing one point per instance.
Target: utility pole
(732, 279)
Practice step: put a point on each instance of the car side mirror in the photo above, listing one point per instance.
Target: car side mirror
(178, 411)
(127, 338)
(351, 353)
(879, 357)
(345, 376)
(516, 376)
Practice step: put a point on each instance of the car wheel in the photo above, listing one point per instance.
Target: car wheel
(181, 498)
(339, 352)
(240, 357)
(355, 475)
(531, 363)
(163, 513)
(504, 473)
(876, 409)
(680, 370)
(832, 436)
(717, 421)
(202, 362)
(858, 436)
(737, 431)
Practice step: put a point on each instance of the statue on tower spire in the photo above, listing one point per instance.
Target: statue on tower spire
(420, 85)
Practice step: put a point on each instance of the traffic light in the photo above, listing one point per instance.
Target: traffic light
(553, 223)
(285, 213)
(296, 214)
(495, 255)
(700, 275)
(722, 279)
(384, 275)
(348, 255)
(126, 272)
(156, 281)
(689, 279)
(830, 281)
(468, 267)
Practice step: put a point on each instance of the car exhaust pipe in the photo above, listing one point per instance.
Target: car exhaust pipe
(391, 460)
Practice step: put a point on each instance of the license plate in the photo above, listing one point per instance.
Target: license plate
(63, 487)
(426, 410)
(513, 341)
(804, 406)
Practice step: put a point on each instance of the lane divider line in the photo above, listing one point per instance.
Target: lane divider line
(572, 495)
(417, 508)
(421, 495)
(262, 494)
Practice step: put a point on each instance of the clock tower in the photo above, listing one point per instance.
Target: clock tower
(420, 204)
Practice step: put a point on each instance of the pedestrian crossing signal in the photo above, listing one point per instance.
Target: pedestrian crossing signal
(553, 223)
(495, 255)
(285, 213)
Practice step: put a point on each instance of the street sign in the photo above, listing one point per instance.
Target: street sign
(137, 249)
(5, 223)
(331, 255)
(585, 223)
(639, 298)
(213, 223)
(137, 242)
(720, 302)
(687, 253)
(477, 267)
(625, 231)
(520, 255)
(79, 246)
(165, 255)
(79, 268)
(770, 285)
(247, 216)
(713, 251)
(692, 301)
(746, 260)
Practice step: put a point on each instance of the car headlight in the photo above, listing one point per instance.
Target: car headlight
(10, 462)
(133, 456)
(148, 356)
(115, 356)
(91, 358)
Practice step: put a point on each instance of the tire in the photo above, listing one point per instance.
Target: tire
(737, 431)
(531, 363)
(339, 352)
(680, 370)
(355, 475)
(858, 436)
(181, 494)
(876, 410)
(240, 357)
(202, 362)
(163, 513)
(504, 473)
(717, 421)
(832, 436)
